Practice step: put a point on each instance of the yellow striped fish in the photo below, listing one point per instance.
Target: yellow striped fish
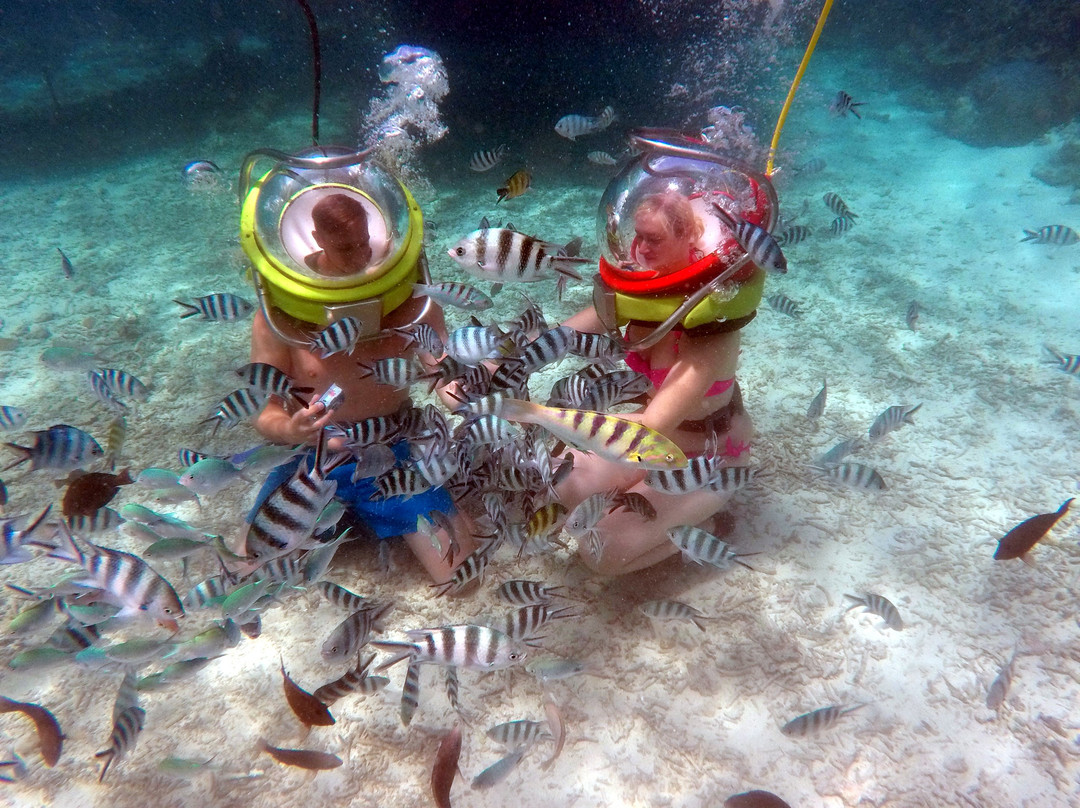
(610, 437)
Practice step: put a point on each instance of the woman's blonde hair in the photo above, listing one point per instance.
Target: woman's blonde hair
(676, 213)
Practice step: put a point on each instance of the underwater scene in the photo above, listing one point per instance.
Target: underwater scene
(653, 403)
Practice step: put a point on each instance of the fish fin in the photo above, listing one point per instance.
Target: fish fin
(1028, 559)
(192, 310)
(25, 452)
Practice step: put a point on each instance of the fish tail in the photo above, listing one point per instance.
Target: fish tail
(71, 552)
(25, 450)
(1030, 235)
(403, 650)
(192, 310)
(37, 523)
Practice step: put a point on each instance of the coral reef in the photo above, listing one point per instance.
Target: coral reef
(1007, 105)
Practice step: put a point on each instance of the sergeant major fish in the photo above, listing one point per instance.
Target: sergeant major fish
(758, 242)
(892, 418)
(507, 256)
(574, 126)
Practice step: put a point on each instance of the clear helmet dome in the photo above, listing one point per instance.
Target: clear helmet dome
(703, 180)
(283, 213)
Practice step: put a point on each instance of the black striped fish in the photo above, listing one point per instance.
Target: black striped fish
(470, 569)
(841, 224)
(123, 383)
(356, 680)
(126, 728)
(219, 307)
(487, 159)
(794, 234)
(502, 256)
(756, 241)
(549, 347)
(843, 103)
(1056, 234)
(672, 610)
(354, 632)
(524, 623)
(515, 734)
(698, 472)
(129, 581)
(459, 295)
(265, 380)
(472, 344)
(234, 408)
(525, 593)
(855, 475)
(600, 158)
(784, 304)
(105, 394)
(1066, 363)
(340, 596)
(471, 647)
(817, 406)
(286, 520)
(340, 336)
(879, 605)
(395, 371)
(60, 447)
(892, 418)
(703, 547)
(574, 126)
(837, 205)
(816, 720)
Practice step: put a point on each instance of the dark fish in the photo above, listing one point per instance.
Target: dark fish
(301, 758)
(1018, 541)
(50, 738)
(636, 503)
(410, 692)
(65, 265)
(912, 316)
(515, 186)
(843, 103)
(1057, 234)
(89, 492)
(755, 799)
(308, 709)
(3, 496)
(446, 767)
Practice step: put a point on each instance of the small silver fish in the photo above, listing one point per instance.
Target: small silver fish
(879, 605)
(817, 406)
(672, 610)
(999, 688)
(499, 770)
(912, 316)
(855, 475)
(816, 720)
(784, 304)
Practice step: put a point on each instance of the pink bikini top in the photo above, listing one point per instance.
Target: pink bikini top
(636, 362)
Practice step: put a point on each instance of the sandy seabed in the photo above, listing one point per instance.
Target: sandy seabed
(675, 717)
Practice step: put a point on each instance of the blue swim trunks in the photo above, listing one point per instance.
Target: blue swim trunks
(395, 516)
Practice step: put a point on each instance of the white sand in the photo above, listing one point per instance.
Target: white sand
(686, 718)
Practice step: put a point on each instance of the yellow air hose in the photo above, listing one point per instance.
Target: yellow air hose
(824, 15)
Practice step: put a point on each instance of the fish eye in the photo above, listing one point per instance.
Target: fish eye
(669, 457)
(459, 251)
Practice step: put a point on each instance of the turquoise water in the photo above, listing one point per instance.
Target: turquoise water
(678, 717)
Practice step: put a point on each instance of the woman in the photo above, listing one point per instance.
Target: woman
(695, 400)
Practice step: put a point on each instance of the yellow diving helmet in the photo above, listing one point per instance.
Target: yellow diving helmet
(276, 235)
